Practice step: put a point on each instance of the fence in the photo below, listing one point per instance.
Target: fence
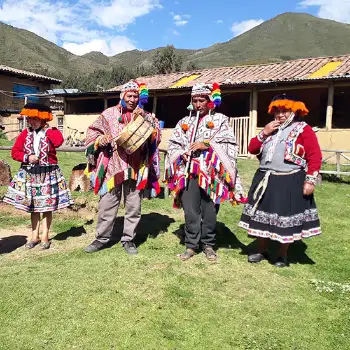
(240, 128)
(338, 154)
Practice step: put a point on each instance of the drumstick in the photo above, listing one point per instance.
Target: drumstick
(193, 136)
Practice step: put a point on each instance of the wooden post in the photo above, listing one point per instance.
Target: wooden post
(250, 113)
(105, 103)
(329, 114)
(24, 117)
(154, 108)
(253, 114)
(338, 163)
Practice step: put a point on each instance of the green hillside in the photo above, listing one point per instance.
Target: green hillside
(287, 36)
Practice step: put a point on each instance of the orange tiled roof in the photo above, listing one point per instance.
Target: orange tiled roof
(320, 68)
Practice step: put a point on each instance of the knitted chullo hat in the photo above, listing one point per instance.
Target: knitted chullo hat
(212, 91)
(134, 86)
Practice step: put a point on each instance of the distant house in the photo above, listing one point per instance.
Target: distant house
(322, 83)
(17, 86)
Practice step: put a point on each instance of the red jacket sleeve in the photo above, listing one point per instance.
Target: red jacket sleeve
(55, 137)
(313, 154)
(256, 142)
(17, 151)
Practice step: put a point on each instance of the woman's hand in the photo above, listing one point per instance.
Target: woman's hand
(32, 159)
(271, 127)
(308, 188)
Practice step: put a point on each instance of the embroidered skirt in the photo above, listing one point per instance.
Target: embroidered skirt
(38, 189)
(283, 213)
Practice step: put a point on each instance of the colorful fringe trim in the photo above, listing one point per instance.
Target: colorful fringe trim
(146, 177)
(218, 185)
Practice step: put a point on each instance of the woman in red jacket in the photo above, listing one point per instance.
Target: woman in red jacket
(39, 186)
(281, 205)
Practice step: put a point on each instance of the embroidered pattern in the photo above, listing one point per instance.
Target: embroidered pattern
(39, 192)
(282, 239)
(281, 221)
(43, 147)
(290, 153)
(261, 136)
(311, 178)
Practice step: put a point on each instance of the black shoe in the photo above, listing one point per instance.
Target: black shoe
(95, 246)
(257, 257)
(130, 248)
(281, 262)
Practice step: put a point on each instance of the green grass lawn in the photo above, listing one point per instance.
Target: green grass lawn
(66, 299)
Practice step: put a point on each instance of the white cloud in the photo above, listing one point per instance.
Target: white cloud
(218, 21)
(180, 20)
(338, 10)
(108, 47)
(175, 32)
(120, 13)
(239, 28)
(80, 24)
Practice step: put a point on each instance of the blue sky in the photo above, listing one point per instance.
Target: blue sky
(114, 26)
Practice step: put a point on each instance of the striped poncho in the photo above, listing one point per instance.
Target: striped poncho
(215, 168)
(110, 166)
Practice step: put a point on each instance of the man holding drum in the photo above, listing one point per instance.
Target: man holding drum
(203, 171)
(116, 166)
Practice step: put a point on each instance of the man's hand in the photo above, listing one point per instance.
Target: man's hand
(198, 146)
(185, 157)
(308, 188)
(271, 127)
(33, 159)
(104, 140)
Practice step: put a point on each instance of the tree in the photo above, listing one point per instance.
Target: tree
(167, 60)
(191, 66)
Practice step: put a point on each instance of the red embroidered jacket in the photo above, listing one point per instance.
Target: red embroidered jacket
(55, 140)
(302, 148)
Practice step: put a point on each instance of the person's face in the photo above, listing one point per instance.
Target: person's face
(131, 99)
(35, 123)
(200, 104)
(282, 114)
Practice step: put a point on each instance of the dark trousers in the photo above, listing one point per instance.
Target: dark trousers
(200, 216)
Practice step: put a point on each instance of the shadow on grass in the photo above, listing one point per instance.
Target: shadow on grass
(296, 252)
(76, 231)
(150, 226)
(333, 178)
(11, 243)
(225, 238)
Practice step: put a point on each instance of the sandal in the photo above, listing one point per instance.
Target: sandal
(188, 254)
(45, 245)
(31, 244)
(210, 253)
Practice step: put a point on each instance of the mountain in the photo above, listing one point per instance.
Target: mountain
(287, 36)
(26, 50)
